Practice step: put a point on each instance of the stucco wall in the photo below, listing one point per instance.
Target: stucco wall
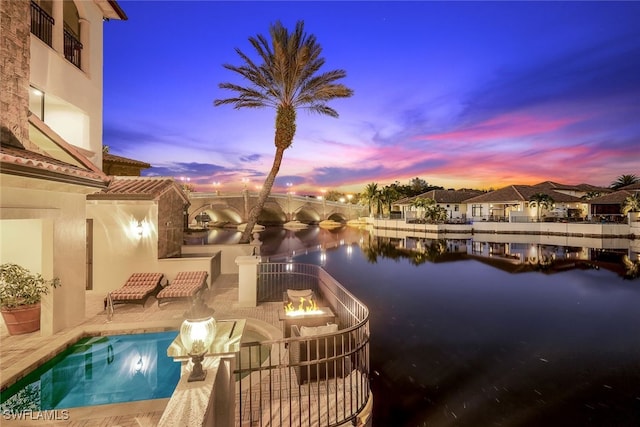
(46, 229)
(57, 77)
(118, 249)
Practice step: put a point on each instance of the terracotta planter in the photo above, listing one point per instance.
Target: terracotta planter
(23, 319)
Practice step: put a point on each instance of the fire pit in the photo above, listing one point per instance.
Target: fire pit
(301, 309)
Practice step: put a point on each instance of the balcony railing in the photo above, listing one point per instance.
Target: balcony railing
(41, 24)
(318, 380)
(72, 49)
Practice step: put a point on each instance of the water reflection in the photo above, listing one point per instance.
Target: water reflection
(477, 333)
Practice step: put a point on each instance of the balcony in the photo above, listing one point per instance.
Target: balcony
(72, 49)
(41, 24)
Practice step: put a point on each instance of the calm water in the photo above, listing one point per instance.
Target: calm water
(470, 333)
(97, 371)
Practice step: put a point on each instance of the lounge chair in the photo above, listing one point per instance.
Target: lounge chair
(187, 285)
(137, 288)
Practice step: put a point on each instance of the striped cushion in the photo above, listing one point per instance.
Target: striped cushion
(137, 286)
(185, 285)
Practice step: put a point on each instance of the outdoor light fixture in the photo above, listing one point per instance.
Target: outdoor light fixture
(197, 336)
(139, 228)
(139, 365)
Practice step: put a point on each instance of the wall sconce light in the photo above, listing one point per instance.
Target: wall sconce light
(139, 365)
(139, 228)
(197, 336)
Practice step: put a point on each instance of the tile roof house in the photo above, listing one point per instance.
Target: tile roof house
(51, 142)
(512, 201)
(451, 200)
(609, 204)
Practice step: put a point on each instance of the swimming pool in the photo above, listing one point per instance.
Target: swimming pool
(97, 371)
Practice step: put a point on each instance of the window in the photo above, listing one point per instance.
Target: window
(456, 208)
(36, 102)
(476, 210)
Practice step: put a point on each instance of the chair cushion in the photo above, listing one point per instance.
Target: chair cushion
(309, 331)
(294, 295)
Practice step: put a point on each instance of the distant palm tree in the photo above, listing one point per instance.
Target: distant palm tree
(591, 195)
(631, 204)
(624, 180)
(541, 200)
(370, 195)
(286, 79)
(388, 195)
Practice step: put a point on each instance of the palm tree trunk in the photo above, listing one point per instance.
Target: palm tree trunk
(262, 197)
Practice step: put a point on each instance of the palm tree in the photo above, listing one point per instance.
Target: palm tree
(388, 195)
(624, 180)
(541, 200)
(591, 195)
(631, 204)
(370, 194)
(287, 79)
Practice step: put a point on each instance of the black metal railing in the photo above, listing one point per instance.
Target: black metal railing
(41, 24)
(72, 49)
(320, 380)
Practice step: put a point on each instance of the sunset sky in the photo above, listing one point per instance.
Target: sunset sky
(460, 94)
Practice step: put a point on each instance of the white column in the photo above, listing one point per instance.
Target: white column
(58, 27)
(86, 45)
(248, 280)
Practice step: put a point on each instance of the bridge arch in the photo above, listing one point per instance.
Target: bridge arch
(307, 214)
(338, 216)
(272, 214)
(218, 212)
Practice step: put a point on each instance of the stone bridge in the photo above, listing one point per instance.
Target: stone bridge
(278, 209)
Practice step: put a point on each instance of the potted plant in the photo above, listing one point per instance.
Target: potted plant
(20, 295)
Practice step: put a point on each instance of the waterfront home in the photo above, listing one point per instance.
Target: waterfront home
(608, 207)
(512, 203)
(453, 201)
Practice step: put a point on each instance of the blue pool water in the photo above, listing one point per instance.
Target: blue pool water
(98, 371)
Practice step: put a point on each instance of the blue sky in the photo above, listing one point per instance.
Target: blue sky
(461, 94)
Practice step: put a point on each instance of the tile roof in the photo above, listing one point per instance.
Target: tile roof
(615, 198)
(138, 188)
(442, 196)
(108, 157)
(635, 186)
(19, 161)
(523, 193)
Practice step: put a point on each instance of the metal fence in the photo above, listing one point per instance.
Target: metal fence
(319, 380)
(72, 49)
(41, 23)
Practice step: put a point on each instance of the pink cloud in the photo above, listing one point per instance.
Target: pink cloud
(511, 125)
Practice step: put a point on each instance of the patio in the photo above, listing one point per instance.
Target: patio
(292, 403)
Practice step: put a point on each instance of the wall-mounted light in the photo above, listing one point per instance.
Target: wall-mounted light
(139, 229)
(138, 366)
(197, 336)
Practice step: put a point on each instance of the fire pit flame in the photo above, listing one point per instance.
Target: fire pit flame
(305, 307)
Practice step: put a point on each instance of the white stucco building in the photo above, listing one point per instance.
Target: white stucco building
(51, 142)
